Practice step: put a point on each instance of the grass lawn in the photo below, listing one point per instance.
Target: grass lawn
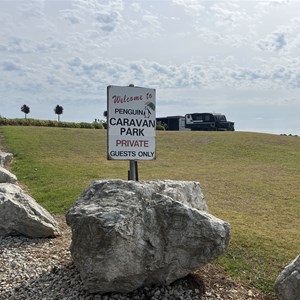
(250, 180)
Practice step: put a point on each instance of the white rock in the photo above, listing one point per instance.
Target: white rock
(5, 158)
(6, 176)
(20, 214)
(287, 285)
(128, 234)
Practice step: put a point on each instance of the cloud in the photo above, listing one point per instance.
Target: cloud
(108, 21)
(78, 76)
(218, 22)
(275, 41)
(136, 7)
(228, 13)
(214, 74)
(151, 20)
(209, 53)
(216, 38)
(265, 6)
(191, 7)
(70, 16)
(32, 8)
(75, 62)
(25, 45)
(14, 66)
(10, 66)
(105, 17)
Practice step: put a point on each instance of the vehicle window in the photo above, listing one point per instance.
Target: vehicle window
(197, 117)
(207, 118)
(221, 118)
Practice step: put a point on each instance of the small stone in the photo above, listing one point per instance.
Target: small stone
(13, 264)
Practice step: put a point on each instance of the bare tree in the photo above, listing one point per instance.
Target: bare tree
(58, 110)
(25, 109)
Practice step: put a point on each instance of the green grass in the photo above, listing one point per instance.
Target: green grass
(250, 180)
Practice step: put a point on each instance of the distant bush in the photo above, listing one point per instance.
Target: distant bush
(49, 123)
(98, 125)
(160, 126)
(2, 120)
(86, 125)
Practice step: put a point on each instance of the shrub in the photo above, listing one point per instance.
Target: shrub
(85, 125)
(3, 121)
(50, 123)
(64, 124)
(160, 126)
(97, 125)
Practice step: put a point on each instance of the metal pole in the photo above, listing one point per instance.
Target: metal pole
(132, 173)
(131, 170)
(136, 171)
(133, 166)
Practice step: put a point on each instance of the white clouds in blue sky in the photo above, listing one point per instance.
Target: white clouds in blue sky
(236, 57)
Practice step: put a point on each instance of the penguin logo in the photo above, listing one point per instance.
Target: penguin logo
(149, 109)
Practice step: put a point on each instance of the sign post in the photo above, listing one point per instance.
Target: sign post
(131, 124)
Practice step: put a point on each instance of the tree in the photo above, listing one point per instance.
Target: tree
(105, 114)
(25, 109)
(58, 110)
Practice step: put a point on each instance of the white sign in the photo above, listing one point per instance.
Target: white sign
(131, 123)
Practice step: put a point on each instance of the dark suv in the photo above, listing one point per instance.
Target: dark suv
(208, 121)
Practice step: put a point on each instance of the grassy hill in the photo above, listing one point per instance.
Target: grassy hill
(250, 180)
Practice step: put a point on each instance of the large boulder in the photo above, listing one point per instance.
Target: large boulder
(22, 215)
(128, 234)
(6, 176)
(287, 285)
(5, 158)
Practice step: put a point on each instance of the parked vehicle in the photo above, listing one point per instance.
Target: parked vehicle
(208, 121)
(174, 123)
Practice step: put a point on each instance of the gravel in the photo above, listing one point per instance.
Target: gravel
(42, 269)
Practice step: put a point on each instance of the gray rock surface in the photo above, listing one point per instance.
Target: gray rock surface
(6, 176)
(128, 234)
(287, 285)
(5, 158)
(20, 214)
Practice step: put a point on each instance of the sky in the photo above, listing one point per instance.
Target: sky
(240, 58)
